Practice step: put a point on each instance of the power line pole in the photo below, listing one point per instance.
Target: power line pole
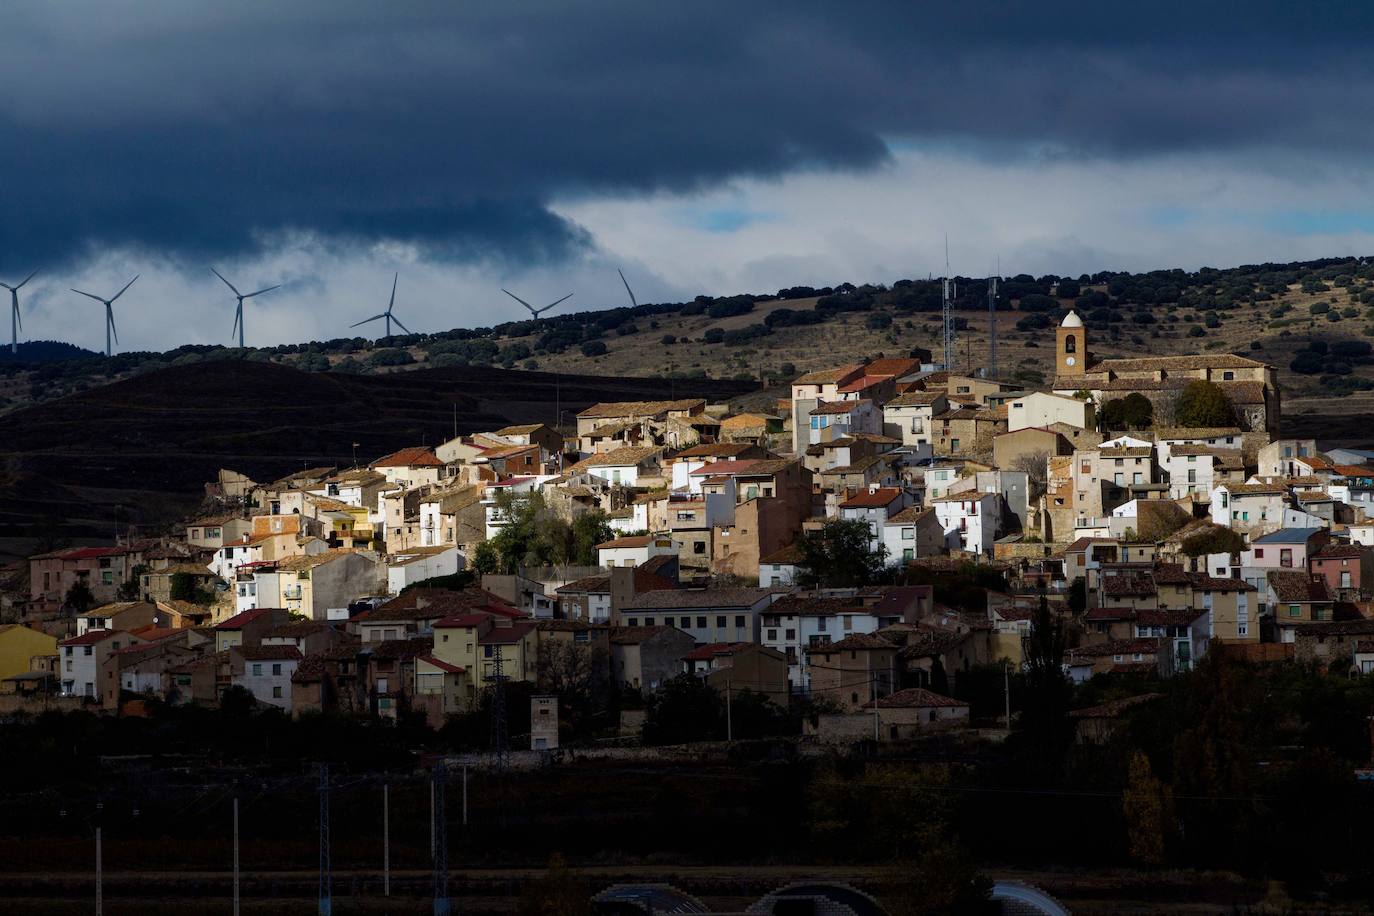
(326, 876)
(465, 795)
(386, 840)
(432, 821)
(99, 876)
(1006, 691)
(441, 901)
(729, 719)
(236, 856)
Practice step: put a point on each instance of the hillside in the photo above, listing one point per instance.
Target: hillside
(1270, 311)
(147, 444)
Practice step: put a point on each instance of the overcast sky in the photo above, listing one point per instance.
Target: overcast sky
(701, 147)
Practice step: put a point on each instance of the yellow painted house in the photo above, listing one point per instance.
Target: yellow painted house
(19, 644)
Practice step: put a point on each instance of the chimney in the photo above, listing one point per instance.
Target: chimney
(622, 590)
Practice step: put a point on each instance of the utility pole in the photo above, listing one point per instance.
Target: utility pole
(386, 840)
(326, 876)
(729, 719)
(236, 856)
(465, 795)
(1006, 692)
(99, 877)
(441, 901)
(432, 820)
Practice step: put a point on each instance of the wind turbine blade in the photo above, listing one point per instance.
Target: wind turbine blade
(518, 299)
(366, 320)
(19, 316)
(555, 302)
(89, 295)
(238, 316)
(114, 329)
(261, 291)
(226, 282)
(8, 287)
(398, 321)
(633, 300)
(126, 286)
(28, 278)
(392, 304)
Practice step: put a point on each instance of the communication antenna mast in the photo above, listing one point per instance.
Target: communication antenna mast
(948, 291)
(992, 320)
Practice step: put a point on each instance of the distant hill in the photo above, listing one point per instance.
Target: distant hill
(37, 352)
(147, 444)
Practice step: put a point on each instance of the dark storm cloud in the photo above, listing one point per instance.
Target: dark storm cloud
(200, 129)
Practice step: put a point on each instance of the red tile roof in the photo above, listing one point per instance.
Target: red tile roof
(90, 638)
(442, 665)
(708, 652)
(915, 697)
(238, 621)
(724, 468)
(507, 635)
(882, 496)
(413, 457)
(462, 621)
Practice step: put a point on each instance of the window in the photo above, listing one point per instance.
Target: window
(276, 669)
(86, 650)
(954, 445)
(908, 534)
(701, 623)
(685, 623)
(720, 622)
(487, 652)
(772, 635)
(257, 669)
(276, 692)
(790, 635)
(648, 621)
(739, 622)
(848, 622)
(1295, 610)
(633, 621)
(1070, 343)
(822, 623)
(1228, 376)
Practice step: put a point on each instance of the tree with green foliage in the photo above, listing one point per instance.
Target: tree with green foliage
(1044, 722)
(560, 891)
(1147, 806)
(132, 588)
(1134, 411)
(79, 598)
(840, 554)
(685, 709)
(1204, 404)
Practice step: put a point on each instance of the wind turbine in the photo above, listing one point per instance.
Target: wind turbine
(387, 314)
(109, 313)
(534, 311)
(633, 300)
(16, 323)
(238, 313)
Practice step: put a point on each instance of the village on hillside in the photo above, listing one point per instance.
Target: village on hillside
(1148, 507)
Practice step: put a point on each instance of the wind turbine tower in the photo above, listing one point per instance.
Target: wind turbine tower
(387, 315)
(238, 313)
(109, 313)
(16, 322)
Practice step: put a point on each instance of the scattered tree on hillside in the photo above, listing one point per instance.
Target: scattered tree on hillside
(79, 598)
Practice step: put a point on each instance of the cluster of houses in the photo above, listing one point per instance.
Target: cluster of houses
(318, 591)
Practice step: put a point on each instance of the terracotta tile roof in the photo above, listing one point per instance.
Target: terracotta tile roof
(441, 665)
(415, 456)
(723, 468)
(708, 652)
(716, 450)
(809, 605)
(238, 621)
(873, 499)
(1298, 586)
(309, 669)
(508, 635)
(864, 641)
(1206, 583)
(90, 638)
(909, 515)
(862, 382)
(700, 598)
(827, 376)
(641, 540)
(267, 653)
(403, 649)
(1339, 552)
(1128, 584)
(1143, 645)
(621, 457)
(297, 629)
(838, 407)
(631, 636)
(787, 556)
(915, 698)
(640, 408)
(892, 366)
